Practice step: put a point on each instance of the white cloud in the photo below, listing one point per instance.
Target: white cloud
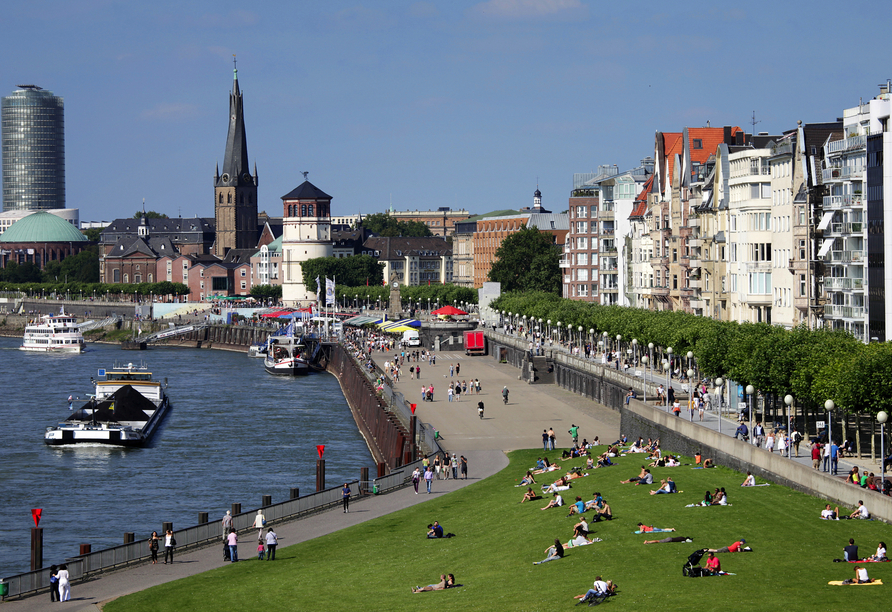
(169, 112)
(530, 9)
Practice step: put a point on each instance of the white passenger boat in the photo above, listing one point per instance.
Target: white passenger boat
(53, 334)
(126, 409)
(286, 356)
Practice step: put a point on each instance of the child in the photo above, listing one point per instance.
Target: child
(260, 551)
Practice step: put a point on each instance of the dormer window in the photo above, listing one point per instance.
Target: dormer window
(697, 143)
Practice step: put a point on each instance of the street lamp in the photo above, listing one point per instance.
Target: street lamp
(882, 417)
(604, 337)
(619, 347)
(645, 360)
(749, 395)
(829, 406)
(690, 361)
(788, 400)
(668, 374)
(691, 394)
(665, 365)
(635, 351)
(718, 396)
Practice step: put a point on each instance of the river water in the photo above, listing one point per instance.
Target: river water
(234, 433)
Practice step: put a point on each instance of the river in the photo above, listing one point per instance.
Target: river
(234, 433)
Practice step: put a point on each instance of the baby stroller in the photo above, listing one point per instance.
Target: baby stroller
(692, 568)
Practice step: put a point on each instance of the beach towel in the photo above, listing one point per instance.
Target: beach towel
(841, 583)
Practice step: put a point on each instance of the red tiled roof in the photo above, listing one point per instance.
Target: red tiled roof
(711, 139)
(671, 145)
(641, 199)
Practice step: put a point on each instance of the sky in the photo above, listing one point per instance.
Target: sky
(418, 104)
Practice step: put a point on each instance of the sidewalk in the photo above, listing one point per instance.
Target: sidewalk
(531, 408)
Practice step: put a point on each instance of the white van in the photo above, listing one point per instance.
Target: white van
(411, 338)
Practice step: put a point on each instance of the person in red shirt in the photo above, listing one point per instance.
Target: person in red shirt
(713, 565)
(735, 547)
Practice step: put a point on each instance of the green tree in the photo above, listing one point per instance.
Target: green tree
(527, 261)
(383, 224)
(150, 215)
(351, 271)
(94, 234)
(267, 291)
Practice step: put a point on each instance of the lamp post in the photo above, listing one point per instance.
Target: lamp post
(829, 406)
(606, 344)
(644, 360)
(665, 365)
(749, 398)
(619, 347)
(559, 333)
(882, 417)
(668, 374)
(718, 396)
(634, 351)
(690, 362)
(788, 400)
(691, 395)
(650, 353)
(591, 340)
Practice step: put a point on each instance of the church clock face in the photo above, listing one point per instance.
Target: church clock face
(247, 178)
(225, 178)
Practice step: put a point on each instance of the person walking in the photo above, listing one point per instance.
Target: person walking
(428, 477)
(574, 433)
(464, 467)
(259, 522)
(227, 523)
(272, 541)
(416, 476)
(170, 543)
(345, 497)
(64, 583)
(551, 439)
(451, 370)
(154, 541)
(454, 467)
(54, 583)
(545, 439)
(457, 369)
(232, 541)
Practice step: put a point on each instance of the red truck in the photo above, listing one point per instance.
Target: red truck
(475, 343)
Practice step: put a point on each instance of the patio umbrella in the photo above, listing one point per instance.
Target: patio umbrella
(449, 310)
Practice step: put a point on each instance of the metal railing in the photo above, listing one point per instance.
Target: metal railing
(847, 144)
(840, 282)
(843, 201)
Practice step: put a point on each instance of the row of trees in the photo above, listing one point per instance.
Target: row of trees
(77, 290)
(423, 294)
(811, 365)
(352, 271)
(382, 224)
(82, 267)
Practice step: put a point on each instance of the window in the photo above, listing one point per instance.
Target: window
(244, 272)
(802, 250)
(126, 278)
(117, 276)
(220, 283)
(698, 143)
(244, 285)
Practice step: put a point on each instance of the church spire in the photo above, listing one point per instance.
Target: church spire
(236, 169)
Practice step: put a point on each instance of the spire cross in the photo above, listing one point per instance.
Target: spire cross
(234, 66)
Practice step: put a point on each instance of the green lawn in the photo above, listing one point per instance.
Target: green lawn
(374, 565)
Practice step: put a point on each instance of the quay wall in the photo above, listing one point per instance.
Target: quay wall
(609, 387)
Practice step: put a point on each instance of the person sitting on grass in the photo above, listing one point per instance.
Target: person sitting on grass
(648, 529)
(554, 503)
(577, 507)
(530, 495)
(708, 463)
(737, 546)
(647, 480)
(850, 552)
(580, 528)
(720, 498)
(880, 554)
(860, 512)
(604, 461)
(600, 589)
(602, 511)
(641, 474)
(672, 461)
(670, 540)
(829, 515)
(860, 576)
(526, 480)
(666, 486)
(556, 551)
(446, 581)
(749, 481)
(434, 531)
(713, 565)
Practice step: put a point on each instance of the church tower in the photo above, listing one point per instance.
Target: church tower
(235, 191)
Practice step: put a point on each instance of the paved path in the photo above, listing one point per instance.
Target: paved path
(530, 409)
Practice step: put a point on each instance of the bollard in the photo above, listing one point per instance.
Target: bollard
(266, 501)
(36, 548)
(166, 526)
(295, 493)
(203, 518)
(129, 537)
(85, 549)
(236, 509)
(320, 475)
(363, 480)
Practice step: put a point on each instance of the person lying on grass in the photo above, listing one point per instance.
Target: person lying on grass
(830, 515)
(530, 495)
(644, 472)
(737, 546)
(554, 503)
(669, 540)
(649, 529)
(601, 589)
(446, 581)
(556, 551)
(580, 540)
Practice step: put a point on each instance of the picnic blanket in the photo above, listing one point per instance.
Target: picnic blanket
(841, 583)
(869, 561)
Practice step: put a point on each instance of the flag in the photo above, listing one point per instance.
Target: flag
(385, 282)
(318, 288)
(329, 292)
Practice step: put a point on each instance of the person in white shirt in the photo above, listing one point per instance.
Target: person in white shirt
(601, 588)
(750, 480)
(880, 554)
(829, 515)
(861, 512)
(554, 503)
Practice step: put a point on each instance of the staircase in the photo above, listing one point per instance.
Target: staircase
(540, 370)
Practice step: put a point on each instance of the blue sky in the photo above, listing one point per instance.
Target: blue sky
(425, 104)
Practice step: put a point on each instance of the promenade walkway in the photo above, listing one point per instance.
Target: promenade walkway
(531, 408)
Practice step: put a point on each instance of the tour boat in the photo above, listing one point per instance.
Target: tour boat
(286, 356)
(53, 334)
(125, 410)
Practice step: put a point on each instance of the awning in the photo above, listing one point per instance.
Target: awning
(275, 314)
(825, 221)
(403, 324)
(361, 320)
(720, 236)
(825, 247)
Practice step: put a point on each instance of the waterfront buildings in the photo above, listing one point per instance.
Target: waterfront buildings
(40, 238)
(412, 261)
(33, 135)
(441, 222)
(7, 218)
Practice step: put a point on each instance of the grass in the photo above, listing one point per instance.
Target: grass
(373, 566)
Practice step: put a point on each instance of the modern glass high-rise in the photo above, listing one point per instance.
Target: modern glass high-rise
(33, 126)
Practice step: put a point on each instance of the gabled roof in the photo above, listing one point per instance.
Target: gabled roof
(710, 138)
(306, 191)
(153, 247)
(239, 256)
(640, 208)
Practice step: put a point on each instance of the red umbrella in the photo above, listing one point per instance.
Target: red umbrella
(449, 310)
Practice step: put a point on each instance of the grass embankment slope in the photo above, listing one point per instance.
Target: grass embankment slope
(374, 565)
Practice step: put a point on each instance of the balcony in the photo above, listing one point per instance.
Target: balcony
(783, 148)
(846, 172)
(841, 283)
(565, 263)
(847, 228)
(758, 266)
(757, 299)
(608, 289)
(696, 263)
(698, 304)
(693, 221)
(695, 242)
(847, 256)
(695, 283)
(852, 143)
(663, 291)
(849, 312)
(848, 200)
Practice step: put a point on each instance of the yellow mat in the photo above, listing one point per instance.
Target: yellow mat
(840, 582)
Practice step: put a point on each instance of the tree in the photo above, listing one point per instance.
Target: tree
(352, 271)
(383, 224)
(527, 261)
(94, 234)
(149, 215)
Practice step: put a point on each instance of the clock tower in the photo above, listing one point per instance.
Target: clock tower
(235, 190)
